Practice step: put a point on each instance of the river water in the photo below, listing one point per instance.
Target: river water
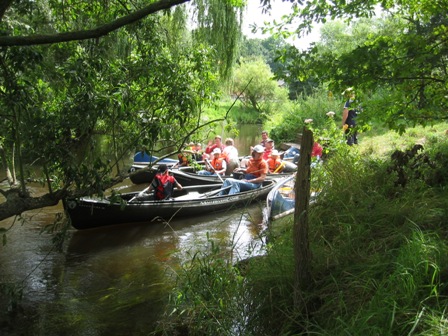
(108, 281)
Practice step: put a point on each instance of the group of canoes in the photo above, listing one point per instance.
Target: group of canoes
(200, 194)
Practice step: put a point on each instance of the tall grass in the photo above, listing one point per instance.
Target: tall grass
(379, 255)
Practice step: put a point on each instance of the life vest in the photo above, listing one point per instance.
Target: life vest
(163, 186)
(257, 167)
(217, 163)
(267, 154)
(183, 159)
(317, 149)
(209, 149)
(274, 165)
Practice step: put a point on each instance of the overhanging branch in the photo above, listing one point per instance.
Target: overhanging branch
(9, 41)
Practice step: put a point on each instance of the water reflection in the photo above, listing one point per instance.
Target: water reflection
(113, 280)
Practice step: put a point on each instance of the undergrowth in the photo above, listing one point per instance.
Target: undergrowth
(379, 258)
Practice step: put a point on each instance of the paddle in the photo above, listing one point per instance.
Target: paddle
(134, 198)
(188, 188)
(279, 167)
(210, 193)
(210, 165)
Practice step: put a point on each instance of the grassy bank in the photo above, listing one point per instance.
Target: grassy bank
(378, 236)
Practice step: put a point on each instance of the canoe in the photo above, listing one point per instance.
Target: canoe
(184, 175)
(280, 205)
(144, 159)
(90, 212)
(187, 177)
(280, 201)
(291, 152)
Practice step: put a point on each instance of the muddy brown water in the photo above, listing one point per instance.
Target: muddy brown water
(112, 280)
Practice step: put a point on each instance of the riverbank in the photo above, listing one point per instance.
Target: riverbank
(379, 254)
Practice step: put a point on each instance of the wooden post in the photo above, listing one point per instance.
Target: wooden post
(302, 254)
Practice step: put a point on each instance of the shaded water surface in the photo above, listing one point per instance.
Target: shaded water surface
(108, 281)
(111, 280)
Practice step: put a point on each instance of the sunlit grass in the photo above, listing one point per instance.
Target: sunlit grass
(378, 143)
(379, 253)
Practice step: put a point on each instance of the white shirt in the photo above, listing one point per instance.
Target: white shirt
(231, 153)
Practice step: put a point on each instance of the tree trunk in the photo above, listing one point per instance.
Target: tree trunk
(302, 254)
(9, 177)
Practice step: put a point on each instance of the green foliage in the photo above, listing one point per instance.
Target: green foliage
(379, 257)
(145, 85)
(266, 49)
(260, 91)
(203, 301)
(219, 25)
(314, 107)
(398, 55)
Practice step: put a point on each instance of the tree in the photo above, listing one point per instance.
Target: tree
(261, 91)
(402, 58)
(137, 80)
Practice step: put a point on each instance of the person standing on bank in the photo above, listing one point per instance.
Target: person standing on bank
(162, 184)
(349, 117)
(254, 174)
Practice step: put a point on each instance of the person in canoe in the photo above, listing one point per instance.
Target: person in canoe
(230, 153)
(162, 185)
(254, 174)
(218, 164)
(217, 143)
(274, 162)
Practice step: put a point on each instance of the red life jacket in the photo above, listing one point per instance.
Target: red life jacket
(267, 154)
(163, 186)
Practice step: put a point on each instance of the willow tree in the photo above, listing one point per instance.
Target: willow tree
(130, 70)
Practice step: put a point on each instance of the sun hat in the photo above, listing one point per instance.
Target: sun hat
(275, 153)
(258, 149)
(216, 151)
(269, 140)
(162, 168)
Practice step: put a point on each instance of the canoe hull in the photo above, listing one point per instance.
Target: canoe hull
(86, 213)
(186, 177)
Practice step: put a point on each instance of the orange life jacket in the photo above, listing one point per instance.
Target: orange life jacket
(217, 163)
(183, 159)
(274, 164)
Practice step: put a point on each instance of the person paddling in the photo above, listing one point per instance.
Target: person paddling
(254, 174)
(162, 184)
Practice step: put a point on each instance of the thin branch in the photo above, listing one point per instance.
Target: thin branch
(8, 41)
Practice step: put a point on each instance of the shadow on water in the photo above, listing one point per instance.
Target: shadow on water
(123, 273)
(113, 280)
